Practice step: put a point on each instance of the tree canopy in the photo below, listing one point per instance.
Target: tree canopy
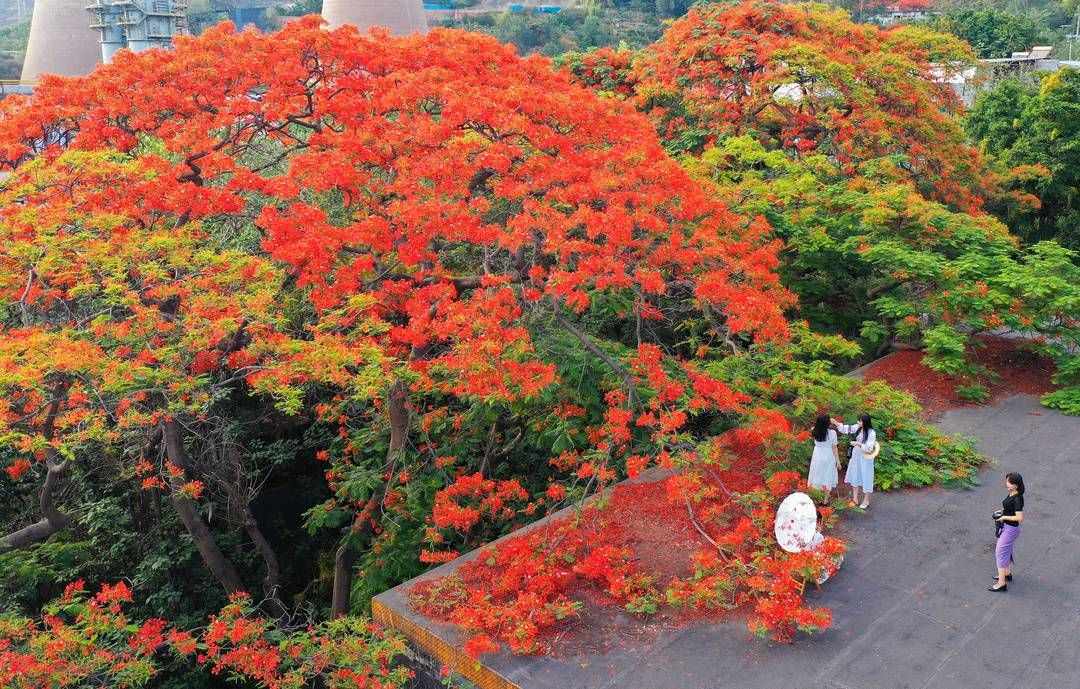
(991, 32)
(861, 167)
(421, 243)
(449, 289)
(1035, 130)
(805, 78)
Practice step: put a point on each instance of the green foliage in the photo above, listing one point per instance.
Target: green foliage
(1066, 400)
(12, 46)
(973, 393)
(13, 38)
(946, 349)
(861, 253)
(917, 455)
(870, 257)
(569, 30)
(643, 604)
(991, 32)
(1047, 283)
(799, 379)
(118, 537)
(1034, 129)
(394, 557)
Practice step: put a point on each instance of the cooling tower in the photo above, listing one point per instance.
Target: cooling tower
(402, 17)
(61, 40)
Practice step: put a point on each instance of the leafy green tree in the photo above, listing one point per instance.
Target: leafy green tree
(12, 46)
(870, 255)
(991, 32)
(1035, 129)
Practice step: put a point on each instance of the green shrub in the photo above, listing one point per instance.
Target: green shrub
(973, 393)
(798, 379)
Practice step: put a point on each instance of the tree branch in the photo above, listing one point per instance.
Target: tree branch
(628, 380)
(345, 558)
(215, 560)
(53, 519)
(880, 289)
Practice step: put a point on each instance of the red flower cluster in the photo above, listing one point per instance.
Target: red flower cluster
(84, 640)
(462, 504)
(515, 591)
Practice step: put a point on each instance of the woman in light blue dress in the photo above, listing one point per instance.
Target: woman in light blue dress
(860, 469)
(825, 462)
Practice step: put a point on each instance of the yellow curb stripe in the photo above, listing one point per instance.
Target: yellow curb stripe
(446, 654)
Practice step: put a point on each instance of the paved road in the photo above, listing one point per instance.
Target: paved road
(910, 605)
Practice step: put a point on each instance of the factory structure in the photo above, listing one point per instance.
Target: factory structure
(136, 24)
(71, 37)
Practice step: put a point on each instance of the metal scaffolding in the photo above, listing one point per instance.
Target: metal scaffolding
(136, 24)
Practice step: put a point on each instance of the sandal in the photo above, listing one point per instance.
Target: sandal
(864, 506)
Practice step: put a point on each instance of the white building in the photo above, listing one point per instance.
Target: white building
(903, 13)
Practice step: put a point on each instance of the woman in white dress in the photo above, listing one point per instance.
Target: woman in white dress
(825, 462)
(860, 469)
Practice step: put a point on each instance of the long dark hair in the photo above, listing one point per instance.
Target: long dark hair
(866, 426)
(1017, 480)
(821, 428)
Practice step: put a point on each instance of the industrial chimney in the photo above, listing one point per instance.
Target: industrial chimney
(61, 40)
(402, 17)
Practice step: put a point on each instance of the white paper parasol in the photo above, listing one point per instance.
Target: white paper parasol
(796, 523)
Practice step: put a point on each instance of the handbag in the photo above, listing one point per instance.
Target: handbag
(850, 448)
(998, 526)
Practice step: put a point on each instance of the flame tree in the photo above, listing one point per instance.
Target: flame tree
(460, 260)
(847, 139)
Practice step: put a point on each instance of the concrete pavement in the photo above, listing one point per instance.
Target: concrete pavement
(910, 605)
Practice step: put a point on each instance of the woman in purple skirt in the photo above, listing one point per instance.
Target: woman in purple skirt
(1012, 513)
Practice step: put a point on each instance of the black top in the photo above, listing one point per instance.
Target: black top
(1010, 506)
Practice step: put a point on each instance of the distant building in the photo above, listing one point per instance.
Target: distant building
(904, 11)
(245, 12)
(1025, 64)
(1038, 59)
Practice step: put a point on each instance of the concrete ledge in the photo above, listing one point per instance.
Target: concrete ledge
(441, 642)
(436, 647)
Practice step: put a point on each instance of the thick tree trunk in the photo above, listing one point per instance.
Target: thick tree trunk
(215, 560)
(398, 410)
(344, 562)
(53, 520)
